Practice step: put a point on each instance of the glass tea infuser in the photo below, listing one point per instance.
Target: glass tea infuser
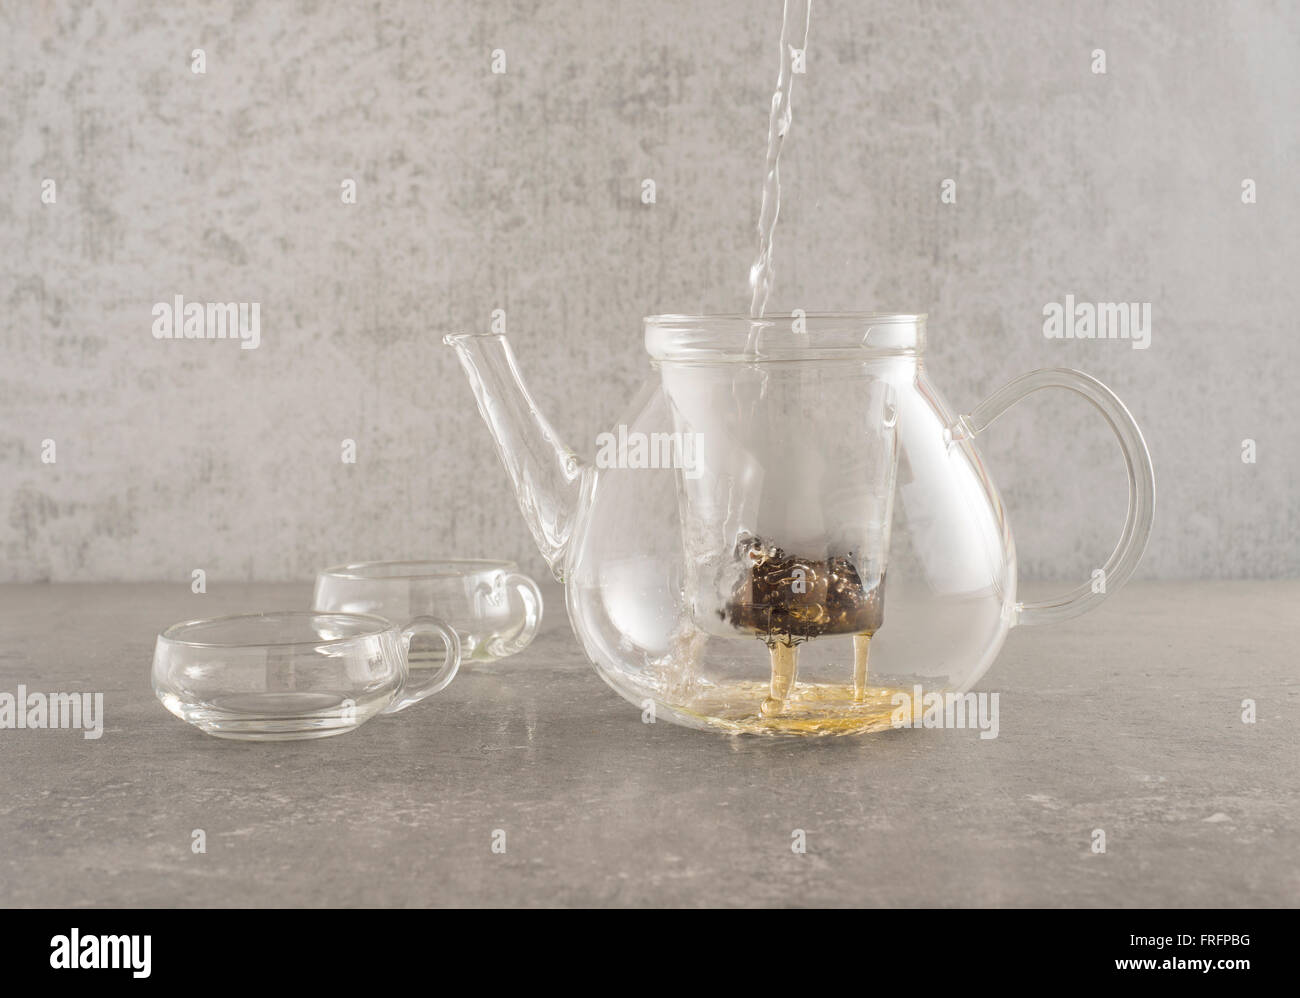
(794, 526)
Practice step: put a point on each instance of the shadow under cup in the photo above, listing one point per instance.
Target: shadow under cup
(493, 608)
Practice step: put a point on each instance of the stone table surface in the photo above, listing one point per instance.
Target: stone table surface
(1127, 720)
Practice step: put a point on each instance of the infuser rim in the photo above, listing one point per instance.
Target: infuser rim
(770, 316)
(823, 335)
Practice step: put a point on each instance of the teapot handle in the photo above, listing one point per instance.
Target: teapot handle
(1141, 486)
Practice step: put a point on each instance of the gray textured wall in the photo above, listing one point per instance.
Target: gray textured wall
(522, 191)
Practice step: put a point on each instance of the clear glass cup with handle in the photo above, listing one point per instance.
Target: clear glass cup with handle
(294, 674)
(494, 609)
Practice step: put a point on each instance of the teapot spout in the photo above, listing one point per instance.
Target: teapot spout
(547, 476)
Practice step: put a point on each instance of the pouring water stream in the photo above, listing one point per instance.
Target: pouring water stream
(794, 43)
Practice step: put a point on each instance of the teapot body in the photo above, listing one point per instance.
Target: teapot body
(653, 617)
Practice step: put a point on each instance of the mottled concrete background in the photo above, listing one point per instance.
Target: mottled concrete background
(521, 191)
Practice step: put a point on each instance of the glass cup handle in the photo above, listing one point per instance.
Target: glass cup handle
(1141, 486)
(412, 692)
(531, 597)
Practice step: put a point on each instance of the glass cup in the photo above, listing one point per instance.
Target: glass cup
(472, 596)
(294, 674)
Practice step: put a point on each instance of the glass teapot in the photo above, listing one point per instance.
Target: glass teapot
(725, 555)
